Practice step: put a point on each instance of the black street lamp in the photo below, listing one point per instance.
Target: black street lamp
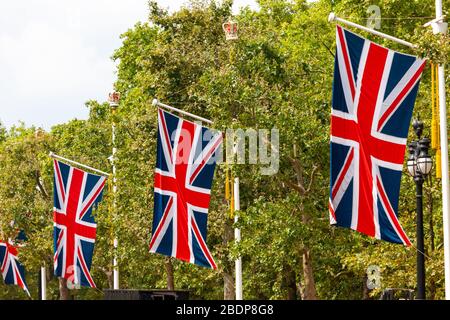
(419, 166)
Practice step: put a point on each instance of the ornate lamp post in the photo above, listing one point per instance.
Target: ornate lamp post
(419, 166)
(113, 100)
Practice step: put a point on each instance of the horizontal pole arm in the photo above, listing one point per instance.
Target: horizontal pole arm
(156, 102)
(332, 17)
(435, 20)
(55, 156)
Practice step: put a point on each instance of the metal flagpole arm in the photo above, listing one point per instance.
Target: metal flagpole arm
(438, 24)
(156, 102)
(333, 17)
(55, 156)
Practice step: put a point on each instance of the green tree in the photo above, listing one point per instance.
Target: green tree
(279, 75)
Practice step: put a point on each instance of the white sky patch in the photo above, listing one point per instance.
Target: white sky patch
(55, 55)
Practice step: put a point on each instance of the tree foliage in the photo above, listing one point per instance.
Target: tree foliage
(277, 75)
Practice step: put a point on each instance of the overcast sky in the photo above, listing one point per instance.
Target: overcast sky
(55, 55)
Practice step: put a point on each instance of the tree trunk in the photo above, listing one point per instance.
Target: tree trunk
(289, 283)
(170, 277)
(64, 293)
(228, 279)
(366, 289)
(228, 286)
(109, 276)
(299, 290)
(309, 292)
(432, 290)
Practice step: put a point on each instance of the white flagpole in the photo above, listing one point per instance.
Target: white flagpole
(116, 242)
(156, 102)
(445, 178)
(55, 156)
(237, 238)
(332, 17)
(114, 104)
(230, 28)
(441, 27)
(43, 283)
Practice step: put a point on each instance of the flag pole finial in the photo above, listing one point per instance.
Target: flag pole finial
(331, 17)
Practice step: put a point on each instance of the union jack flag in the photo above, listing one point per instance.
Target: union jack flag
(75, 194)
(184, 172)
(374, 90)
(12, 270)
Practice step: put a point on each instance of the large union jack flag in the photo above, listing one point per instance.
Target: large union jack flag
(374, 91)
(185, 163)
(76, 192)
(12, 270)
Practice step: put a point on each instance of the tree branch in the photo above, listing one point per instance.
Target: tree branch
(299, 188)
(299, 171)
(40, 185)
(329, 50)
(311, 178)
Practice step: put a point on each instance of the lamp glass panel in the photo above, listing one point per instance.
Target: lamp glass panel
(424, 165)
(411, 167)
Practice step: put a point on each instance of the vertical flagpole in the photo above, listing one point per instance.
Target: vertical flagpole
(237, 238)
(445, 178)
(43, 283)
(115, 264)
(114, 103)
(231, 33)
(441, 27)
